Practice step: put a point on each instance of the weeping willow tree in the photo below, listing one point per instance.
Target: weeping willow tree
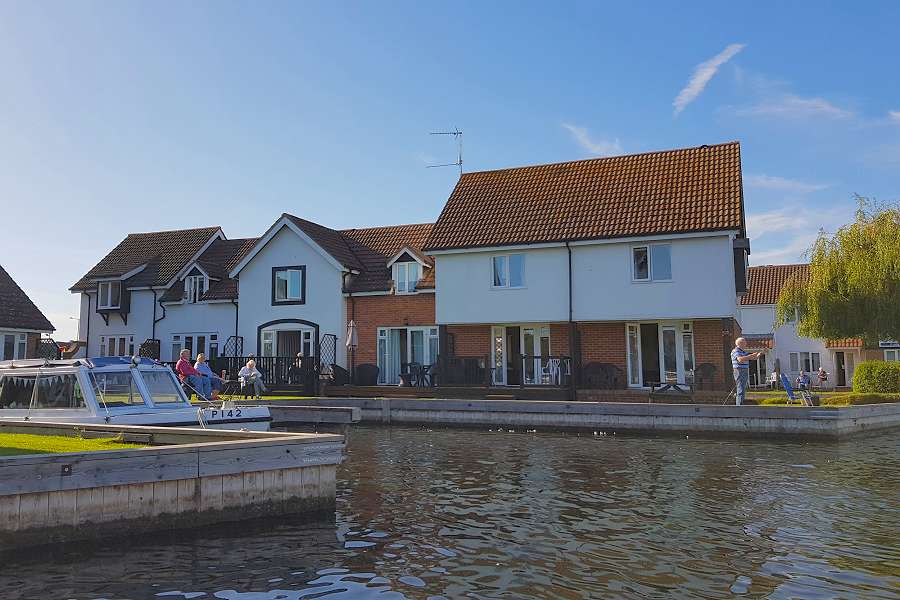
(853, 289)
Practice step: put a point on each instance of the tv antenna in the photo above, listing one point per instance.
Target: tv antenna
(459, 161)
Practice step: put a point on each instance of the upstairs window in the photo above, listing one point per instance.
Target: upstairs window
(194, 288)
(508, 271)
(289, 285)
(406, 276)
(109, 294)
(652, 262)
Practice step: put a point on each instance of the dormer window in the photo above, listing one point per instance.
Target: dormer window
(194, 288)
(406, 276)
(109, 294)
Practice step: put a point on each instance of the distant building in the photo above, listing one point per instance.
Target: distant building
(21, 322)
(792, 351)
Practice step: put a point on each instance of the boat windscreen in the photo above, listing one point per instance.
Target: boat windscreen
(162, 387)
(53, 391)
(116, 389)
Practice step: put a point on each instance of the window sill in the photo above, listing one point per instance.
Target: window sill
(511, 287)
(652, 280)
(287, 302)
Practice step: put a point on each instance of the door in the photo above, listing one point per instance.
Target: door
(513, 356)
(668, 350)
(840, 366)
(650, 368)
(288, 343)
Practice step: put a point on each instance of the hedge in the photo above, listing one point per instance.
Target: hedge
(841, 399)
(876, 376)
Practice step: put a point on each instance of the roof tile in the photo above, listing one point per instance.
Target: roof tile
(674, 191)
(16, 308)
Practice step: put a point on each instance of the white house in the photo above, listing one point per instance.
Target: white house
(634, 261)
(792, 351)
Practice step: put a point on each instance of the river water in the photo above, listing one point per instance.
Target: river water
(495, 514)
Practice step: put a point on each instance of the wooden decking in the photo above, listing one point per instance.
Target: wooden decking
(461, 392)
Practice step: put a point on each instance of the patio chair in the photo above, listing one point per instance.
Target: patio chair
(804, 398)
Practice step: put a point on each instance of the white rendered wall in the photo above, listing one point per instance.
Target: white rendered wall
(702, 285)
(201, 318)
(324, 301)
(140, 321)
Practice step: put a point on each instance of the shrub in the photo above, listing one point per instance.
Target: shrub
(856, 399)
(877, 376)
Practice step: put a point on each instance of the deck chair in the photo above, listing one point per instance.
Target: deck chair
(804, 397)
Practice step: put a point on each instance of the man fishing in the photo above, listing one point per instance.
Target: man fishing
(740, 362)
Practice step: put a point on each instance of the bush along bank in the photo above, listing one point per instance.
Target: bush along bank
(876, 376)
(839, 399)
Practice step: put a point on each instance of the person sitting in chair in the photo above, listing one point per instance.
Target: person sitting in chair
(211, 381)
(802, 381)
(251, 379)
(189, 376)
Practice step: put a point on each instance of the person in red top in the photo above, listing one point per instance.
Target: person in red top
(187, 373)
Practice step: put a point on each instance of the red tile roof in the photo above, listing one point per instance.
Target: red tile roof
(217, 261)
(844, 343)
(375, 246)
(164, 252)
(16, 308)
(674, 191)
(765, 282)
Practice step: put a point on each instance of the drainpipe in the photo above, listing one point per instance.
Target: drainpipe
(573, 338)
(234, 302)
(155, 320)
(87, 333)
(153, 327)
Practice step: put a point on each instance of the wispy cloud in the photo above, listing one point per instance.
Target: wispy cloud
(782, 184)
(594, 146)
(701, 76)
(425, 159)
(791, 106)
(794, 251)
(894, 116)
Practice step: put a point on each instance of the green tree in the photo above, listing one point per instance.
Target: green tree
(853, 289)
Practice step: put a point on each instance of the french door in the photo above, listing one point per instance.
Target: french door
(509, 344)
(659, 353)
(402, 345)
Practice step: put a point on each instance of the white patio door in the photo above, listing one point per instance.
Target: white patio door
(498, 355)
(535, 344)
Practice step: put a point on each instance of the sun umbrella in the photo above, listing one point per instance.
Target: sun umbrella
(352, 335)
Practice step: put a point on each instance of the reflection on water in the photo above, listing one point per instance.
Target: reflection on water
(477, 514)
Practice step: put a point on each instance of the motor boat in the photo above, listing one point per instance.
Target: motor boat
(112, 389)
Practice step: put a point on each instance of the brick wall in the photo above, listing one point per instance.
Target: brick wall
(471, 340)
(373, 312)
(713, 341)
(32, 342)
(603, 342)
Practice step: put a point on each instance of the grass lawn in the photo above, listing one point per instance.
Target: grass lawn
(25, 443)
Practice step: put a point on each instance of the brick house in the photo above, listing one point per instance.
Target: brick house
(21, 321)
(792, 351)
(625, 269)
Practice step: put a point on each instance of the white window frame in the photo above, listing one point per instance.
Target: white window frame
(180, 342)
(892, 355)
(19, 345)
(681, 328)
(649, 278)
(288, 298)
(104, 300)
(430, 340)
(408, 287)
(506, 279)
(194, 288)
(105, 344)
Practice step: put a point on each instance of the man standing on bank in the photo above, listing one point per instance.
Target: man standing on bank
(740, 362)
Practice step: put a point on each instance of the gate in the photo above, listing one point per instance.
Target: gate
(149, 349)
(327, 355)
(48, 349)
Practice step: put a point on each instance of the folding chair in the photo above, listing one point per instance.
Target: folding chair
(805, 398)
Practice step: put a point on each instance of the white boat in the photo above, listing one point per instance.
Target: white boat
(117, 390)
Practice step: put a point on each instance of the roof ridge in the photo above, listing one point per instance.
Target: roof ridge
(386, 226)
(211, 227)
(603, 158)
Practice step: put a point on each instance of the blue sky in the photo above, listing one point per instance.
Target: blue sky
(120, 117)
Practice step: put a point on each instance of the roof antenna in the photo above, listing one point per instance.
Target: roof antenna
(459, 161)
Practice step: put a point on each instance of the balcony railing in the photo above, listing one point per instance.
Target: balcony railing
(546, 370)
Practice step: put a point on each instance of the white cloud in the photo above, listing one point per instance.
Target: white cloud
(791, 106)
(701, 76)
(771, 182)
(794, 250)
(894, 116)
(594, 146)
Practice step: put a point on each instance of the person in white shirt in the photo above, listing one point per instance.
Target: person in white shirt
(250, 376)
